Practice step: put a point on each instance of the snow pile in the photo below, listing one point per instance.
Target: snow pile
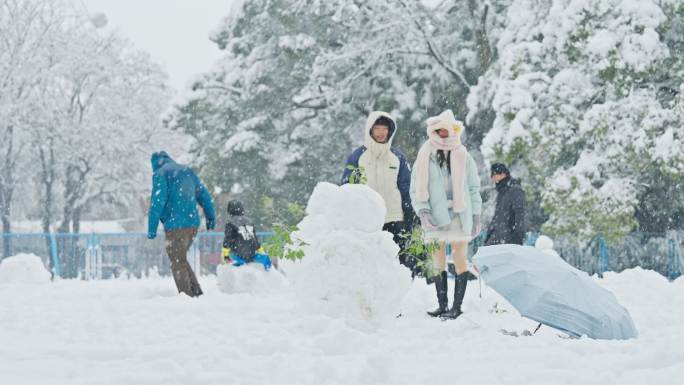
(141, 331)
(251, 278)
(23, 268)
(350, 267)
(545, 244)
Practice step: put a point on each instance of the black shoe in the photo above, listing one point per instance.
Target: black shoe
(459, 291)
(196, 290)
(439, 312)
(471, 276)
(441, 289)
(452, 313)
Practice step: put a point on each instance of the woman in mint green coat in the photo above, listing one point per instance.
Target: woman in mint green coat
(445, 192)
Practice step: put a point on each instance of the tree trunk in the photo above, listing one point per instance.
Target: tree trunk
(7, 190)
(481, 122)
(73, 191)
(5, 216)
(64, 227)
(47, 218)
(69, 199)
(485, 54)
(47, 179)
(76, 220)
(6, 241)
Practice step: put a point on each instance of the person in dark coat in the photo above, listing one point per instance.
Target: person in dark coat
(508, 224)
(240, 237)
(176, 191)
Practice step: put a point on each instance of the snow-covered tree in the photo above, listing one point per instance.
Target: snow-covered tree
(588, 107)
(287, 103)
(88, 112)
(28, 29)
(107, 108)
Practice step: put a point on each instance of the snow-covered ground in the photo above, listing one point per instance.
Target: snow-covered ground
(143, 332)
(331, 320)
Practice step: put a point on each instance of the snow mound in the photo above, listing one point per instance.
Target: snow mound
(350, 268)
(647, 278)
(545, 244)
(23, 268)
(679, 282)
(251, 278)
(347, 207)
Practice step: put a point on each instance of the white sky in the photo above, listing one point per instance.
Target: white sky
(174, 32)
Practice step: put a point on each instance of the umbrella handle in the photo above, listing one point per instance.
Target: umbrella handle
(479, 281)
(538, 327)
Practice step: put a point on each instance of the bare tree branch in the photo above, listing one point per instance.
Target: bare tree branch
(433, 49)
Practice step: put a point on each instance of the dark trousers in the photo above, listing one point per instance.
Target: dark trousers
(399, 232)
(177, 244)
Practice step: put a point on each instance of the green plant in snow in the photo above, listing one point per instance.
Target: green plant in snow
(357, 176)
(281, 244)
(421, 251)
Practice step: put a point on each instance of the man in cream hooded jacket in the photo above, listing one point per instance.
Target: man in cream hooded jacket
(384, 169)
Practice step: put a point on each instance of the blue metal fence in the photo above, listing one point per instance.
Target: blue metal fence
(101, 256)
(662, 254)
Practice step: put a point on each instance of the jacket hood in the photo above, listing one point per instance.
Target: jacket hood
(372, 118)
(235, 208)
(508, 182)
(446, 120)
(159, 159)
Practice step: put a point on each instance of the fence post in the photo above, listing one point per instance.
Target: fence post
(87, 271)
(603, 256)
(93, 258)
(89, 260)
(530, 238)
(98, 261)
(196, 267)
(674, 259)
(56, 269)
(98, 255)
(6, 245)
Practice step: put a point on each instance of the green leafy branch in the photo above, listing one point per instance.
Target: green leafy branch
(357, 176)
(281, 245)
(421, 251)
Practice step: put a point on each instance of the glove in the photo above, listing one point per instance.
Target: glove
(226, 252)
(210, 224)
(477, 226)
(426, 220)
(151, 235)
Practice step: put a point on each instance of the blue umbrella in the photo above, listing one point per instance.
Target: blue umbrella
(546, 289)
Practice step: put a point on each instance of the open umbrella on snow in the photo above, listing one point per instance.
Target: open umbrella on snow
(548, 290)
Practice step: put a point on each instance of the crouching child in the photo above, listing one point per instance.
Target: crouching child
(240, 243)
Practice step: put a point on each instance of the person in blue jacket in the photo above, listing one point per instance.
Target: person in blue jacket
(384, 169)
(176, 191)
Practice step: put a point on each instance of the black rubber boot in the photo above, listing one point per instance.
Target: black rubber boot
(441, 288)
(459, 292)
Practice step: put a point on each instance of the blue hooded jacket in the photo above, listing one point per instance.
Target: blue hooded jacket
(176, 190)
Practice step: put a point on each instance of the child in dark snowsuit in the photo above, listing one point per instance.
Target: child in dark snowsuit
(240, 243)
